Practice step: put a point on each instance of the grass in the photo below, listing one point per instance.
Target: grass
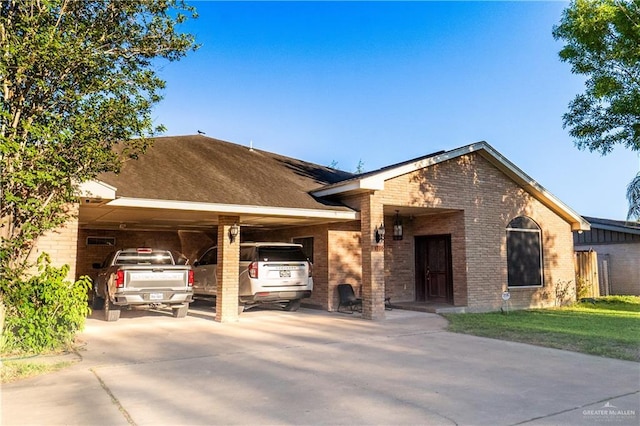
(12, 371)
(16, 366)
(608, 327)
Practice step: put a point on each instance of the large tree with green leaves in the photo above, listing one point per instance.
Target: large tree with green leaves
(603, 43)
(77, 88)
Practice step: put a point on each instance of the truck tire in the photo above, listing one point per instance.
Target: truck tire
(293, 305)
(180, 311)
(111, 311)
(97, 304)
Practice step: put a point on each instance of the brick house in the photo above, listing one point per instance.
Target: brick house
(617, 247)
(473, 225)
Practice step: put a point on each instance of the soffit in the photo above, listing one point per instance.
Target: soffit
(103, 215)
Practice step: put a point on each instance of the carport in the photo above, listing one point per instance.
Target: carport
(102, 212)
(186, 192)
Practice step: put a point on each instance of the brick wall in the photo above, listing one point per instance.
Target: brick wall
(623, 266)
(189, 243)
(483, 201)
(61, 246)
(336, 257)
(345, 263)
(401, 276)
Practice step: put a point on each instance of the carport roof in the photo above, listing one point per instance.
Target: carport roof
(205, 170)
(187, 182)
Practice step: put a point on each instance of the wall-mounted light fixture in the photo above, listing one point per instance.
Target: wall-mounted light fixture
(397, 227)
(379, 233)
(233, 232)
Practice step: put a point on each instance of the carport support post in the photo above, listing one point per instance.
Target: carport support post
(227, 272)
(371, 216)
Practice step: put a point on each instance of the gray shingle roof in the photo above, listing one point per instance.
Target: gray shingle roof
(629, 227)
(202, 169)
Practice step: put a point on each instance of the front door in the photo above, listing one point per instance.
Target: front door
(433, 269)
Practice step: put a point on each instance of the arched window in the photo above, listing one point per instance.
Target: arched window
(524, 253)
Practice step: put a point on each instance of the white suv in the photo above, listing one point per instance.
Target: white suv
(269, 272)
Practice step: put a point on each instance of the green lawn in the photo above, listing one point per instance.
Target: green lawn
(610, 327)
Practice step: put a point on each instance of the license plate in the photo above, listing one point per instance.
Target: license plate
(155, 296)
(285, 274)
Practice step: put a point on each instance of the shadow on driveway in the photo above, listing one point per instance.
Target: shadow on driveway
(316, 367)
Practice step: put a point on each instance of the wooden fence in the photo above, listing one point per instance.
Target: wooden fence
(586, 263)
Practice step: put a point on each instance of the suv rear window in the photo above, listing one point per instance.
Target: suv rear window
(278, 254)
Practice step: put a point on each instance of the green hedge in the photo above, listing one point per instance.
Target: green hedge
(44, 312)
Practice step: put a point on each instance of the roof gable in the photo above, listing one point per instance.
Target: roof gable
(375, 180)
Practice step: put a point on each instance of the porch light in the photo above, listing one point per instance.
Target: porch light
(397, 227)
(233, 232)
(379, 233)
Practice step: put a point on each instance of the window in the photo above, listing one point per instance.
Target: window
(101, 241)
(210, 257)
(307, 246)
(280, 253)
(524, 253)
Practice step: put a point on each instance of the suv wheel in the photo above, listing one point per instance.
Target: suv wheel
(292, 305)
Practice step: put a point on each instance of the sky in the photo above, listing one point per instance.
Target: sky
(378, 83)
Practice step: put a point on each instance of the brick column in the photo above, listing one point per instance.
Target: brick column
(371, 216)
(227, 272)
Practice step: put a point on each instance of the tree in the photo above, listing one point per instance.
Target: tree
(633, 196)
(603, 43)
(77, 87)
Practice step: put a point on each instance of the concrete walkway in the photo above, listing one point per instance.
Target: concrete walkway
(313, 367)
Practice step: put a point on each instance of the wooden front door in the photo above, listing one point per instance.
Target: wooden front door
(433, 269)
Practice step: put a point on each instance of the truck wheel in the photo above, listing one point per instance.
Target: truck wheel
(293, 305)
(111, 311)
(181, 311)
(98, 303)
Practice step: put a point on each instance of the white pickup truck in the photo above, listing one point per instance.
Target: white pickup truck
(143, 277)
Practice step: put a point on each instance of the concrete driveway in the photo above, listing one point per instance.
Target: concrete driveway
(315, 367)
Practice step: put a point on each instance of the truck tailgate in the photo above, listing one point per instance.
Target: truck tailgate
(156, 278)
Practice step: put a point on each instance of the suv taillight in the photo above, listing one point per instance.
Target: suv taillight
(310, 269)
(253, 270)
(119, 279)
(190, 282)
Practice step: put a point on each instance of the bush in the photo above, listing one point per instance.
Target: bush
(45, 312)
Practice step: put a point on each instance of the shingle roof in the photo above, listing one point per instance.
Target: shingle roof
(202, 169)
(629, 227)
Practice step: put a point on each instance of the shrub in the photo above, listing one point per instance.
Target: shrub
(44, 312)
(565, 292)
(583, 288)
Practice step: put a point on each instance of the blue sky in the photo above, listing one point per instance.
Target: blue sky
(382, 82)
